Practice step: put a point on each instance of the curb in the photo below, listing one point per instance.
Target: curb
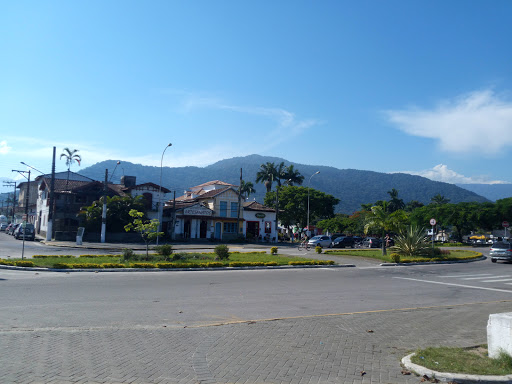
(457, 377)
(95, 270)
(433, 262)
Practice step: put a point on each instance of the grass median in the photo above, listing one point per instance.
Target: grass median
(176, 260)
(451, 255)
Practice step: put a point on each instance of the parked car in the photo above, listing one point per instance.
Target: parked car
(357, 240)
(27, 231)
(3, 226)
(320, 241)
(344, 242)
(501, 250)
(372, 242)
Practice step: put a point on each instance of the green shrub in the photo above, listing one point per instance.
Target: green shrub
(41, 256)
(395, 257)
(128, 254)
(142, 265)
(85, 266)
(324, 262)
(167, 265)
(222, 252)
(113, 265)
(97, 256)
(318, 249)
(271, 264)
(5, 262)
(61, 266)
(24, 263)
(273, 250)
(164, 249)
(308, 262)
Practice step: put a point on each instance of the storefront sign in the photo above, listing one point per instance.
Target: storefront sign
(196, 211)
(260, 215)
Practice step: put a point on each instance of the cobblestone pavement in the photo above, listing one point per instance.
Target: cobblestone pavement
(319, 349)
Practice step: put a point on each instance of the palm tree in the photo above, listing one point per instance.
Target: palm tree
(70, 156)
(292, 176)
(395, 203)
(267, 175)
(247, 188)
(439, 199)
(382, 220)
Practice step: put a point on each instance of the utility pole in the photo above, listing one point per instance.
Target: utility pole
(9, 183)
(49, 228)
(239, 203)
(104, 213)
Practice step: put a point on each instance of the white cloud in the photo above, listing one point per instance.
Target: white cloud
(442, 173)
(4, 149)
(479, 121)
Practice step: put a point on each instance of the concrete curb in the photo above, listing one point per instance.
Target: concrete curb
(457, 377)
(34, 269)
(433, 262)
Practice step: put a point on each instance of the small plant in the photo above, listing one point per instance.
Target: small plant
(318, 249)
(128, 254)
(164, 250)
(273, 251)
(222, 252)
(395, 257)
(24, 263)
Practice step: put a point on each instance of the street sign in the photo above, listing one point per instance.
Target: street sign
(505, 224)
(433, 221)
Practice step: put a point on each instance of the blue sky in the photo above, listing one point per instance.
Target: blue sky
(415, 86)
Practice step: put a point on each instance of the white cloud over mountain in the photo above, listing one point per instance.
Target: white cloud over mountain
(480, 122)
(442, 173)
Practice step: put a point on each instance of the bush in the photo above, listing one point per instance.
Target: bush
(318, 249)
(164, 250)
(24, 263)
(273, 251)
(5, 262)
(97, 256)
(395, 257)
(271, 264)
(113, 265)
(61, 266)
(142, 265)
(222, 251)
(128, 254)
(85, 266)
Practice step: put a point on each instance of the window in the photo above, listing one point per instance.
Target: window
(268, 227)
(230, 227)
(234, 209)
(223, 209)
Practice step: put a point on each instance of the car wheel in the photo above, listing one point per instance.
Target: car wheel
(494, 260)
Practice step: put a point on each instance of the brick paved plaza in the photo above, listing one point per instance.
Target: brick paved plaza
(323, 349)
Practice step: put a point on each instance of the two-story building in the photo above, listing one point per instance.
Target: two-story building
(212, 211)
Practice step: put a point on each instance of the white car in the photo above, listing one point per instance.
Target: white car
(3, 226)
(320, 241)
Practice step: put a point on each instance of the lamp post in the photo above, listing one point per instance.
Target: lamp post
(309, 183)
(112, 175)
(160, 208)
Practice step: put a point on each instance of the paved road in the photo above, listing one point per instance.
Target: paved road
(279, 326)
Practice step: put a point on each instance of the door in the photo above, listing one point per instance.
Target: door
(202, 229)
(218, 227)
(253, 229)
(186, 229)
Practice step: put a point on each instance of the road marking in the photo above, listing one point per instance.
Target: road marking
(459, 276)
(495, 281)
(484, 277)
(455, 285)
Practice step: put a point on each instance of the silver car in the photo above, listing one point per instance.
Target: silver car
(320, 241)
(501, 250)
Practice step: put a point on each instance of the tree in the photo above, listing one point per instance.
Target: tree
(292, 176)
(118, 216)
(293, 204)
(148, 229)
(70, 156)
(267, 175)
(395, 203)
(439, 199)
(412, 205)
(247, 188)
(380, 219)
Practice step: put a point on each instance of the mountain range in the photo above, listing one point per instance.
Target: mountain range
(353, 187)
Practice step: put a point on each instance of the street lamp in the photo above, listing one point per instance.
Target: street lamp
(35, 169)
(112, 175)
(309, 183)
(160, 208)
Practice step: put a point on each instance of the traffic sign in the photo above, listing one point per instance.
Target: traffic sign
(505, 224)
(433, 221)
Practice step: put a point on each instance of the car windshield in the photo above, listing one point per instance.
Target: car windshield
(501, 245)
(316, 237)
